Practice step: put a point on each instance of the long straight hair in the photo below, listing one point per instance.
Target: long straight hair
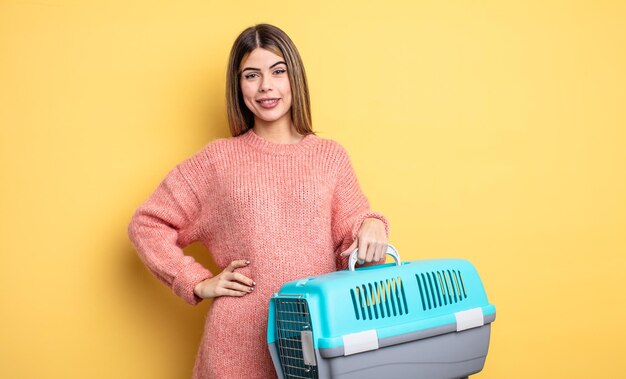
(269, 37)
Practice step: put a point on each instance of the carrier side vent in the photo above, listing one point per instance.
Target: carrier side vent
(379, 299)
(440, 288)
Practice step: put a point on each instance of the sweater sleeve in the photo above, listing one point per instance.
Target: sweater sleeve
(162, 226)
(350, 208)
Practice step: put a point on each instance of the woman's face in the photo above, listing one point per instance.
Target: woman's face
(265, 86)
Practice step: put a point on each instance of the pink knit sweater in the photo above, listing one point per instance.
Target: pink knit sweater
(289, 209)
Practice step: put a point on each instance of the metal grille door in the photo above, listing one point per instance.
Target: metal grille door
(295, 339)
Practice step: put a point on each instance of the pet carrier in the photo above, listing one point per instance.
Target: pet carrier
(425, 319)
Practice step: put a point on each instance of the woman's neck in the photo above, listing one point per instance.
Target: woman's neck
(278, 132)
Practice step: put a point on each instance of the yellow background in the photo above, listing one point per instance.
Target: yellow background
(489, 130)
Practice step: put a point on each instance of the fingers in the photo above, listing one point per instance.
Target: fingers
(371, 251)
(227, 287)
(238, 287)
(236, 264)
(234, 283)
(372, 241)
(349, 250)
(381, 250)
(238, 277)
(222, 291)
(362, 255)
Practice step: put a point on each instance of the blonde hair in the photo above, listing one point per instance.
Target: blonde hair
(269, 37)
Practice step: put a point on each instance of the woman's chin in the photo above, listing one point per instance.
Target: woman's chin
(269, 118)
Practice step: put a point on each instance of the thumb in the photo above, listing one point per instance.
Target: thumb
(349, 250)
(236, 264)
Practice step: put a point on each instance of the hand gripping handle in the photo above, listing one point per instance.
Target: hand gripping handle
(390, 250)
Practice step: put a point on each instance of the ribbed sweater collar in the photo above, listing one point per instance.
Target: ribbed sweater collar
(267, 146)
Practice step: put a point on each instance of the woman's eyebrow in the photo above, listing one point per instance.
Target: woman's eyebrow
(258, 69)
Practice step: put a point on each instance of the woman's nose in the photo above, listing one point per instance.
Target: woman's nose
(266, 83)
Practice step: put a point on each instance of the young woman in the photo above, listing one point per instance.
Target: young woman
(272, 203)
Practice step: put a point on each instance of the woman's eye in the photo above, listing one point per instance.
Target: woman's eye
(280, 71)
(249, 76)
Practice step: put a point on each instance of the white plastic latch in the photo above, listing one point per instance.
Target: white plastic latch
(359, 342)
(308, 352)
(468, 319)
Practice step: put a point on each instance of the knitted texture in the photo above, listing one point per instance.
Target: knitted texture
(290, 209)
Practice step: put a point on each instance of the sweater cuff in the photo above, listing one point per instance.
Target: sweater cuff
(186, 281)
(361, 218)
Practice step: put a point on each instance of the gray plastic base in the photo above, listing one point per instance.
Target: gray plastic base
(448, 356)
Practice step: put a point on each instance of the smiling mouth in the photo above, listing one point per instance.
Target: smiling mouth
(268, 101)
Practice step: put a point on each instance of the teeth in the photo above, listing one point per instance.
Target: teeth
(268, 101)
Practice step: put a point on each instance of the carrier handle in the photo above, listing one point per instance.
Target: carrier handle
(390, 250)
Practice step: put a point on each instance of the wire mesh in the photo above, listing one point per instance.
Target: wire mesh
(293, 318)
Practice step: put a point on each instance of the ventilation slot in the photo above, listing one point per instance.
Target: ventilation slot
(292, 320)
(382, 299)
(440, 288)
